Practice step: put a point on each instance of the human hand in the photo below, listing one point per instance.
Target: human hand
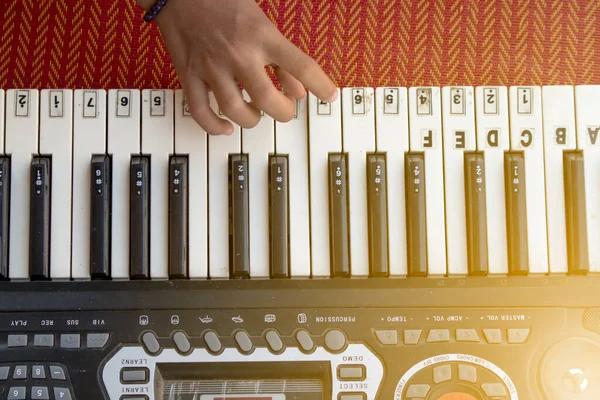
(214, 44)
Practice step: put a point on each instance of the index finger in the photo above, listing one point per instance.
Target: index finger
(287, 56)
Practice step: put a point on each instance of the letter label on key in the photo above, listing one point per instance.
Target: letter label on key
(526, 138)
(459, 139)
(593, 133)
(427, 138)
(492, 138)
(561, 135)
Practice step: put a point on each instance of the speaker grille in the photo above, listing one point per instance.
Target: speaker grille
(591, 319)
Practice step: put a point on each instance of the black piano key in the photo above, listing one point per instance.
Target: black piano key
(139, 217)
(100, 210)
(178, 218)
(416, 214)
(377, 216)
(4, 214)
(516, 213)
(39, 219)
(338, 216)
(278, 219)
(239, 203)
(575, 210)
(476, 214)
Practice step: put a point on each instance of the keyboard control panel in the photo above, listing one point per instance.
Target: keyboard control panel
(302, 340)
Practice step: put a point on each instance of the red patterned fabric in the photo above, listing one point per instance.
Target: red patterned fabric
(105, 44)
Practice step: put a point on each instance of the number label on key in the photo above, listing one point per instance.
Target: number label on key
(22, 103)
(457, 101)
(56, 104)
(90, 103)
(123, 103)
(524, 101)
(323, 108)
(157, 103)
(424, 102)
(490, 101)
(358, 102)
(391, 105)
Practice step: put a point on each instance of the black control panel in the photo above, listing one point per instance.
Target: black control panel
(477, 338)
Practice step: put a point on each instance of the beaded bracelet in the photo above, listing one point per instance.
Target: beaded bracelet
(153, 12)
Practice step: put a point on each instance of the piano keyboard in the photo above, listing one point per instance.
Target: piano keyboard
(387, 182)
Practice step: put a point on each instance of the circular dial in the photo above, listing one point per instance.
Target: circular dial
(570, 370)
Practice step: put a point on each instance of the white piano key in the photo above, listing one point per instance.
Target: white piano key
(123, 142)
(493, 140)
(587, 102)
(21, 143)
(458, 137)
(358, 139)
(393, 140)
(559, 135)
(259, 143)
(292, 140)
(219, 149)
(56, 139)
(526, 134)
(325, 136)
(157, 141)
(89, 138)
(191, 140)
(426, 136)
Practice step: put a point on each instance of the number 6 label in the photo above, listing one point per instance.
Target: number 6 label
(123, 103)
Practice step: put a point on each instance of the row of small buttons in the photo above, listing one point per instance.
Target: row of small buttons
(413, 336)
(466, 373)
(335, 341)
(37, 372)
(38, 393)
(67, 340)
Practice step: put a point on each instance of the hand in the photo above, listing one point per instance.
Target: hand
(214, 44)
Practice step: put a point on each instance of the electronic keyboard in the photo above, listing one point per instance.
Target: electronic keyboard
(399, 243)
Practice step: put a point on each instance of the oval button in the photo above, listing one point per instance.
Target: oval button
(274, 341)
(304, 340)
(150, 342)
(212, 341)
(182, 342)
(243, 341)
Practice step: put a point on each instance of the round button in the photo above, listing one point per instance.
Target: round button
(274, 341)
(335, 340)
(304, 340)
(243, 341)
(150, 342)
(182, 342)
(569, 370)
